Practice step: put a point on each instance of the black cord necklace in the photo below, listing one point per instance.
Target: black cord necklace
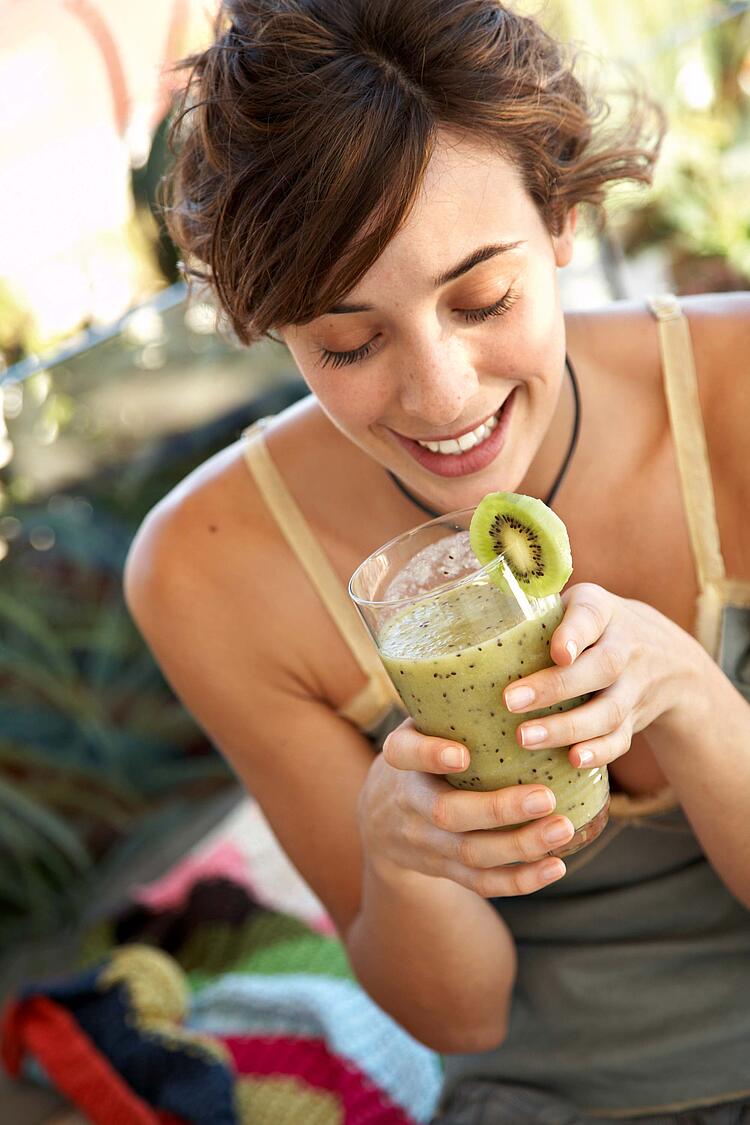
(563, 468)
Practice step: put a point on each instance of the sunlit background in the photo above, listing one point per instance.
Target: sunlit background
(113, 387)
(85, 88)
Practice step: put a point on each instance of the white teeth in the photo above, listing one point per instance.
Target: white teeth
(468, 441)
(465, 442)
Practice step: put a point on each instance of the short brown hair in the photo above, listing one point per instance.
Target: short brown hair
(307, 126)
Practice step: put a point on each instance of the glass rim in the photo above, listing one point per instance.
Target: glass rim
(455, 583)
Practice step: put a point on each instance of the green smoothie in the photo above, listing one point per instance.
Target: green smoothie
(450, 662)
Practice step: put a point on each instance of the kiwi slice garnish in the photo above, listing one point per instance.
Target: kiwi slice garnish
(531, 538)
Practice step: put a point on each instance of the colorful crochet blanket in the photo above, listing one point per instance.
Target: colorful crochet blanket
(200, 1004)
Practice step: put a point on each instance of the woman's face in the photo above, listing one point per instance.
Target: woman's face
(454, 335)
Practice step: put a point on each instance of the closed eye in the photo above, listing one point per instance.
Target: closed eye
(343, 359)
(471, 316)
(476, 316)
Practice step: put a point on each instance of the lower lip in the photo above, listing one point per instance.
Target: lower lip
(463, 464)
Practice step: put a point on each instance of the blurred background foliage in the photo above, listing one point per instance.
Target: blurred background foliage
(693, 57)
(116, 386)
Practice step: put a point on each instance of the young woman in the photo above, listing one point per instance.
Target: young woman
(391, 187)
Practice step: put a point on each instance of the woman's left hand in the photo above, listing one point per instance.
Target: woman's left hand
(638, 663)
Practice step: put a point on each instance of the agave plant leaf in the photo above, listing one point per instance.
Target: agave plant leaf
(106, 647)
(32, 722)
(76, 803)
(14, 893)
(105, 739)
(25, 892)
(162, 719)
(83, 636)
(104, 790)
(34, 627)
(14, 805)
(40, 876)
(188, 772)
(49, 730)
(139, 671)
(26, 672)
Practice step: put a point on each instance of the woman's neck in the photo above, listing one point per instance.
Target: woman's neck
(553, 448)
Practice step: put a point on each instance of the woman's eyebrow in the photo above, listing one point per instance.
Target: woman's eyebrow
(482, 254)
(473, 259)
(348, 308)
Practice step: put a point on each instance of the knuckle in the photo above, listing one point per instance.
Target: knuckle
(499, 811)
(516, 881)
(555, 683)
(389, 748)
(529, 844)
(440, 811)
(590, 593)
(612, 661)
(466, 850)
(595, 612)
(484, 883)
(625, 736)
(572, 728)
(405, 783)
(615, 713)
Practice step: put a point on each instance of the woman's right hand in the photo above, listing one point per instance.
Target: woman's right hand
(410, 818)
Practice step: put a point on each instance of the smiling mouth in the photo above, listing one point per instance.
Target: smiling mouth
(464, 453)
(465, 441)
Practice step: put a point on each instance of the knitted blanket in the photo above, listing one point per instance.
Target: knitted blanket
(199, 1003)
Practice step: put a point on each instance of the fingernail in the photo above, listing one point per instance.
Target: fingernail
(518, 698)
(530, 736)
(555, 869)
(538, 802)
(572, 650)
(453, 757)
(584, 757)
(556, 833)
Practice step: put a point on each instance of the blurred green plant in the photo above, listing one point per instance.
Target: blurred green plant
(104, 777)
(97, 756)
(700, 214)
(699, 208)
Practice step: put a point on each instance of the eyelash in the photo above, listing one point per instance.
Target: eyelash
(473, 316)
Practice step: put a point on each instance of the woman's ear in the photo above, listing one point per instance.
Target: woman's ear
(564, 241)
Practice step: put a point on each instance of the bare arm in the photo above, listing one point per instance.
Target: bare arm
(221, 649)
(703, 746)
(648, 674)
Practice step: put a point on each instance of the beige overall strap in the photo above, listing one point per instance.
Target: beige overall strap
(681, 386)
(312, 558)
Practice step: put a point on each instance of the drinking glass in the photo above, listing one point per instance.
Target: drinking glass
(452, 634)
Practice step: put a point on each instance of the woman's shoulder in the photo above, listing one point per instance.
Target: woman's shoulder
(211, 560)
(220, 497)
(719, 324)
(622, 337)
(619, 344)
(209, 538)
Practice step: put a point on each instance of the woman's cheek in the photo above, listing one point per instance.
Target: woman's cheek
(353, 403)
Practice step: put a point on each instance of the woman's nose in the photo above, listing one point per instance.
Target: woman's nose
(437, 380)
